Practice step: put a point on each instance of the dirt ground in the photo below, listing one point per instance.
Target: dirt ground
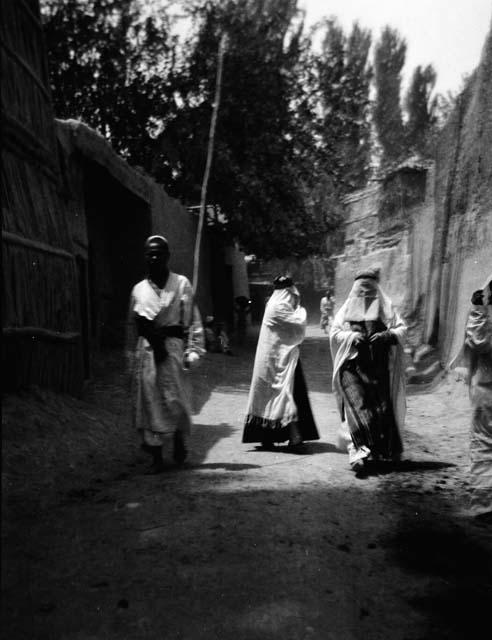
(241, 544)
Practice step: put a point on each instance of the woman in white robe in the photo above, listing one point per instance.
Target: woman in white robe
(278, 404)
(366, 340)
(165, 338)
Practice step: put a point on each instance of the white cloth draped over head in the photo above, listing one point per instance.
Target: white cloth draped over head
(465, 360)
(476, 355)
(161, 240)
(161, 391)
(367, 302)
(272, 385)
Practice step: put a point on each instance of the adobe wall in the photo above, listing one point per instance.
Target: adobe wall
(86, 158)
(462, 253)
(436, 251)
(172, 220)
(397, 239)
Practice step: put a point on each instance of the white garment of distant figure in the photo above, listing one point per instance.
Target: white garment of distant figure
(326, 307)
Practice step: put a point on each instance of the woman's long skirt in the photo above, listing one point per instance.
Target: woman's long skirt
(368, 406)
(257, 429)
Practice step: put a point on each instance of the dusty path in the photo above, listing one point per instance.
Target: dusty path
(242, 544)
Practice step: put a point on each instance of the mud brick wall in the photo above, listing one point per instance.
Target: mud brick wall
(437, 249)
(171, 219)
(462, 252)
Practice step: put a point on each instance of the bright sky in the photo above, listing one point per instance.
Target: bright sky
(450, 34)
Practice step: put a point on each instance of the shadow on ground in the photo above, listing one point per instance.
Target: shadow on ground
(404, 466)
(459, 568)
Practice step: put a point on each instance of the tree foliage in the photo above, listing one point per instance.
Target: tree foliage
(421, 108)
(257, 177)
(113, 68)
(344, 76)
(389, 58)
(296, 125)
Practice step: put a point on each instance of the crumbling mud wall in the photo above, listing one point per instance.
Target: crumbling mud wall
(462, 249)
(389, 225)
(112, 208)
(429, 226)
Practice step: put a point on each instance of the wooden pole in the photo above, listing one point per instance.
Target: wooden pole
(208, 165)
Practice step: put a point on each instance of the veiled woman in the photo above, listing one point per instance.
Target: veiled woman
(278, 404)
(366, 342)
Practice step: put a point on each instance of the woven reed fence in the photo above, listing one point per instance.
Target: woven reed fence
(21, 30)
(40, 311)
(31, 203)
(41, 316)
(25, 95)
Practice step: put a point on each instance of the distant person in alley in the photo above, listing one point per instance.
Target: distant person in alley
(165, 339)
(326, 306)
(478, 355)
(278, 405)
(366, 341)
(242, 306)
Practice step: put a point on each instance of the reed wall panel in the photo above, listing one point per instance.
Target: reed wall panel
(26, 101)
(31, 203)
(21, 31)
(39, 289)
(28, 360)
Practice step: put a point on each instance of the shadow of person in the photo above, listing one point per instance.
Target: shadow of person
(421, 465)
(380, 467)
(226, 466)
(307, 448)
(323, 447)
(457, 566)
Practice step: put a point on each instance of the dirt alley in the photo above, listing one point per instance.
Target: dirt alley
(242, 544)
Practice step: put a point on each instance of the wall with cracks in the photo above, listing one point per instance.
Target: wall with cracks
(428, 226)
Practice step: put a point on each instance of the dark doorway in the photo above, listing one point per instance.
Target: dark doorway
(222, 286)
(118, 223)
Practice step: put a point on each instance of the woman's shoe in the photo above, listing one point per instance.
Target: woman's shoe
(358, 466)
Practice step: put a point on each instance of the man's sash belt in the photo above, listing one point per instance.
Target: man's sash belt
(173, 331)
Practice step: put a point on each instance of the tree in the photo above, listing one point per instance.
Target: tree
(344, 77)
(258, 169)
(421, 109)
(113, 68)
(293, 129)
(389, 58)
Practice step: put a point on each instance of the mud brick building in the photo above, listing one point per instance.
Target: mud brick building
(429, 225)
(75, 216)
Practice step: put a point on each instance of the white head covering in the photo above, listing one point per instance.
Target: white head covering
(158, 239)
(367, 302)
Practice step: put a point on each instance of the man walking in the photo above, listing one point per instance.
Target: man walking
(167, 338)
